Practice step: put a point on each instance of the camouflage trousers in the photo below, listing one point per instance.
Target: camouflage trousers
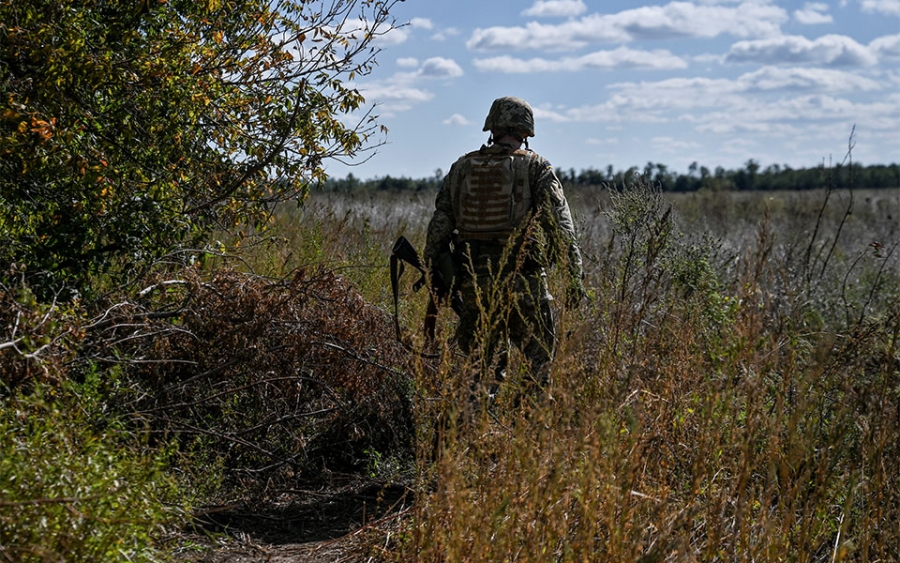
(497, 312)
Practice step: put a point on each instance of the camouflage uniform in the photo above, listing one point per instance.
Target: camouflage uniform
(507, 217)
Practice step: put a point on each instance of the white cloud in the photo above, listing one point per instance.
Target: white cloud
(706, 90)
(622, 57)
(887, 47)
(707, 58)
(445, 34)
(676, 19)
(434, 67)
(673, 94)
(535, 36)
(816, 79)
(890, 7)
(439, 67)
(556, 8)
(421, 23)
(813, 13)
(456, 119)
(679, 98)
(747, 19)
(401, 91)
(721, 108)
(394, 36)
(787, 113)
(393, 98)
(832, 50)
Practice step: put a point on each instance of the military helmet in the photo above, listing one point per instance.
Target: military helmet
(510, 114)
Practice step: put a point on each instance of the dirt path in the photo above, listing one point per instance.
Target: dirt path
(301, 526)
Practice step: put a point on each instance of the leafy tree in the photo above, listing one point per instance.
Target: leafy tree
(131, 130)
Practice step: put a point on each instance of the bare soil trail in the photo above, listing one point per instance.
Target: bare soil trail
(299, 526)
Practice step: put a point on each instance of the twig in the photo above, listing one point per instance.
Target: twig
(837, 539)
(874, 287)
(285, 418)
(368, 526)
(167, 283)
(812, 240)
(10, 344)
(227, 437)
(39, 501)
(207, 373)
(359, 358)
(849, 210)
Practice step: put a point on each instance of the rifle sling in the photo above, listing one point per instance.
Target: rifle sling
(396, 272)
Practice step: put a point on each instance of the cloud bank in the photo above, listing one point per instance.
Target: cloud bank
(676, 19)
(622, 57)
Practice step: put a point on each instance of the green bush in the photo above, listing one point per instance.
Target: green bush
(72, 492)
(130, 132)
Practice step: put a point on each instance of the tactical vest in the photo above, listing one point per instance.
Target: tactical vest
(494, 195)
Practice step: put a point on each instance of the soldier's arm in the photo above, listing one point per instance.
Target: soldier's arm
(560, 228)
(441, 226)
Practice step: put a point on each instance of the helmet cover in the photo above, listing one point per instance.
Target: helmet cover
(510, 114)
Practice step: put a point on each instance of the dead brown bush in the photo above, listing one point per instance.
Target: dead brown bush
(264, 377)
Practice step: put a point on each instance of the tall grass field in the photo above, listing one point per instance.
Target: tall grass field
(729, 392)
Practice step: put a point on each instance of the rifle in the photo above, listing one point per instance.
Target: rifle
(404, 252)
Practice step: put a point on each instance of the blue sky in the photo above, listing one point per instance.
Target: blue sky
(619, 83)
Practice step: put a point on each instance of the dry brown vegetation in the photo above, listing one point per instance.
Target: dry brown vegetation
(730, 392)
(714, 402)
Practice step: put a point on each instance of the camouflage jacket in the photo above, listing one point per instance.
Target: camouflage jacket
(545, 229)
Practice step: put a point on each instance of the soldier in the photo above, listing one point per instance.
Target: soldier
(501, 221)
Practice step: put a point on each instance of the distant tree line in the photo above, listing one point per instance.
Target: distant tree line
(751, 177)
(383, 184)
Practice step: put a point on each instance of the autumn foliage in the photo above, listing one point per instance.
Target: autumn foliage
(130, 131)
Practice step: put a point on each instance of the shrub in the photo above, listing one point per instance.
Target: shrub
(72, 492)
(265, 377)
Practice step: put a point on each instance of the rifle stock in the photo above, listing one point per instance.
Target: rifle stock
(404, 251)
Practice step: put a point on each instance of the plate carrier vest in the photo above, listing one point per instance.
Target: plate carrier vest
(494, 195)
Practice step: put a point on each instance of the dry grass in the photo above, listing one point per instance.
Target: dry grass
(730, 393)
